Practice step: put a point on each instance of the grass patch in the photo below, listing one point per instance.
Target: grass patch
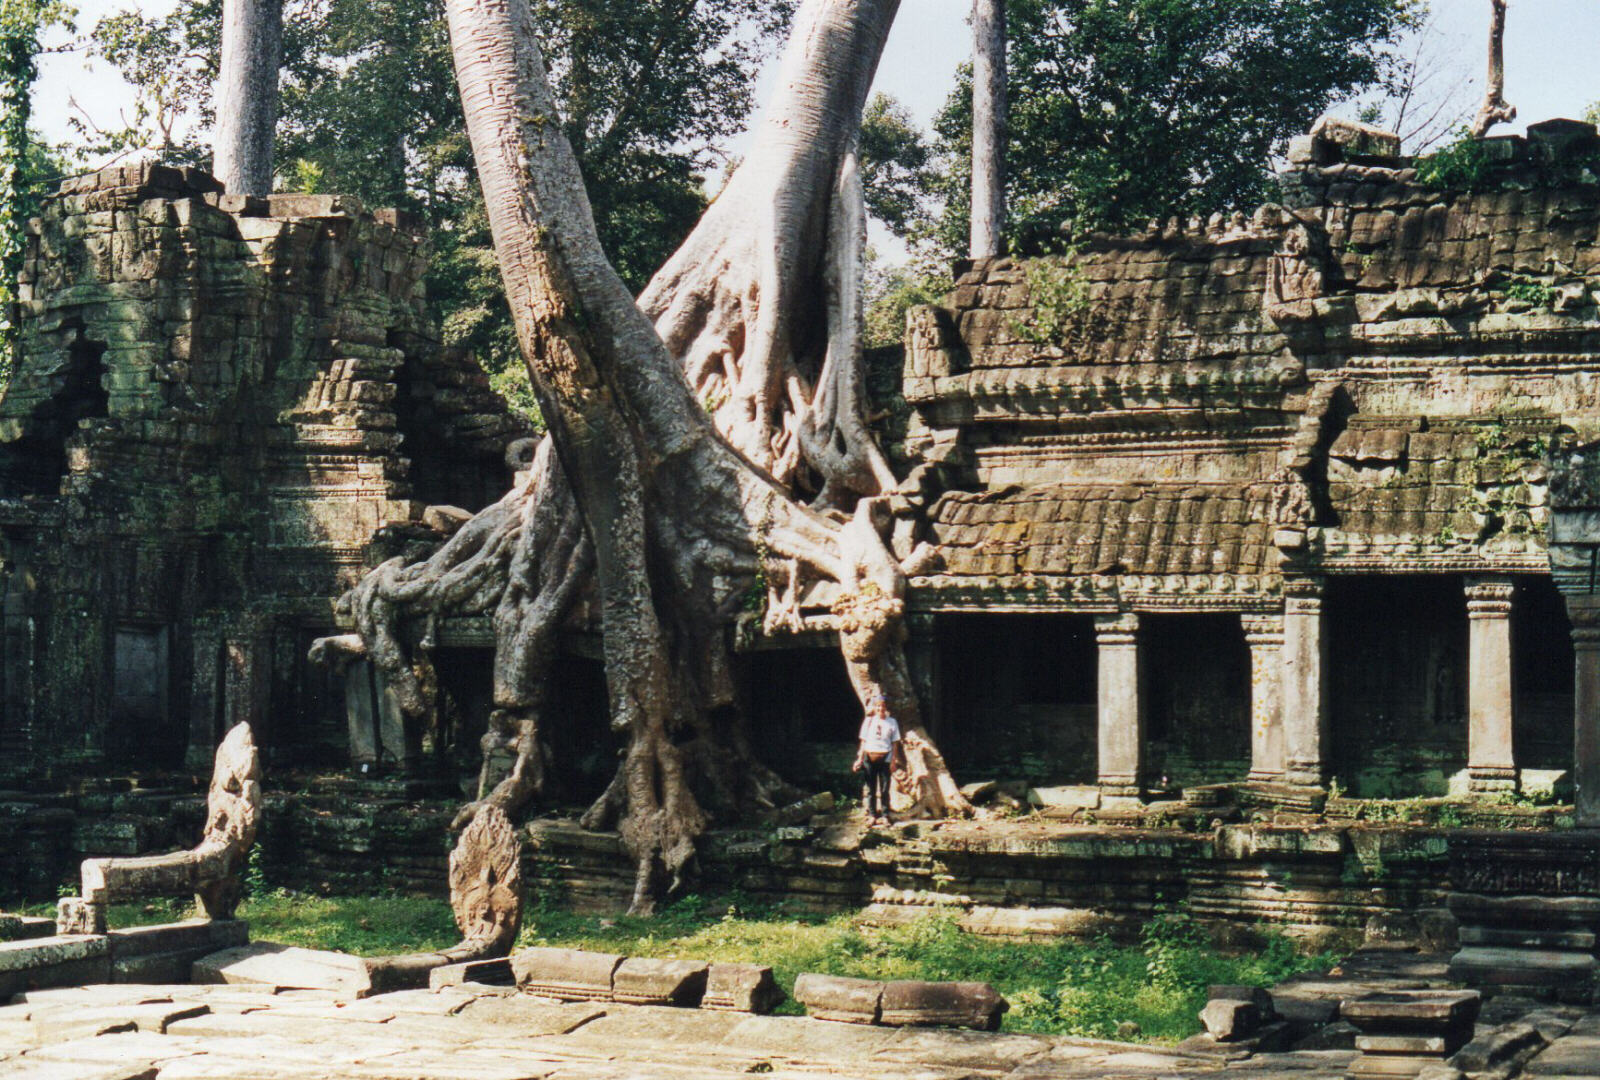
(1069, 988)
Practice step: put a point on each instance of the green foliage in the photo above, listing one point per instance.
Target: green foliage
(171, 62)
(22, 25)
(895, 165)
(1059, 294)
(1126, 110)
(648, 89)
(891, 291)
(1531, 291)
(1464, 165)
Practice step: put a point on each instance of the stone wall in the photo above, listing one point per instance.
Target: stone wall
(225, 409)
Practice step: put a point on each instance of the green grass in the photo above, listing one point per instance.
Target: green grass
(1068, 988)
(1071, 988)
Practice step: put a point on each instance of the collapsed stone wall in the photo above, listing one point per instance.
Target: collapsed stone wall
(214, 412)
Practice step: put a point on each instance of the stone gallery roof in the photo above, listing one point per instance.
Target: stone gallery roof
(1104, 529)
(1371, 375)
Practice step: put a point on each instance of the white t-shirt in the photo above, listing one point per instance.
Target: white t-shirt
(879, 734)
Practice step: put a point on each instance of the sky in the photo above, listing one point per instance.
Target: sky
(1549, 49)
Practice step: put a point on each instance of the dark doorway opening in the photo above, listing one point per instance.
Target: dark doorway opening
(1197, 700)
(803, 714)
(1398, 683)
(144, 730)
(35, 463)
(1020, 697)
(1543, 673)
(577, 728)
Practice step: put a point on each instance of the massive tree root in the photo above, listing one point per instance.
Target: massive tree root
(685, 432)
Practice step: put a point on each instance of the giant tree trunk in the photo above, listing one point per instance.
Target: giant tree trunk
(988, 128)
(676, 508)
(1495, 109)
(247, 95)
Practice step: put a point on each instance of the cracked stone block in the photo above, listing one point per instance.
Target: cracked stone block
(833, 997)
(1231, 1021)
(942, 1004)
(659, 982)
(566, 974)
(747, 988)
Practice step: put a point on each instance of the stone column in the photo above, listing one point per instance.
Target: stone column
(1584, 611)
(1264, 635)
(1305, 692)
(1491, 763)
(1121, 710)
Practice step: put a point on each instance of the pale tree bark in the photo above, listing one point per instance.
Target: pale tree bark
(1495, 109)
(664, 510)
(988, 128)
(247, 95)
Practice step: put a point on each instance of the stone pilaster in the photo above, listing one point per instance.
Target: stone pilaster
(922, 664)
(206, 701)
(1305, 691)
(1264, 635)
(1491, 762)
(1584, 610)
(1121, 709)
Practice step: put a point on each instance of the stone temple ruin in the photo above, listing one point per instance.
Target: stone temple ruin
(1236, 523)
(225, 408)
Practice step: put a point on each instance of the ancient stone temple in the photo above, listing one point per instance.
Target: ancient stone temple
(224, 410)
(1270, 498)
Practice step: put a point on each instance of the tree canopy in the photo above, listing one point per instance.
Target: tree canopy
(647, 90)
(1124, 110)
(23, 160)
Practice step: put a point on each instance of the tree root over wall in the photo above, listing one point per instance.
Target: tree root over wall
(706, 443)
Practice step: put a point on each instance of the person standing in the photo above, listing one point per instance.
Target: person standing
(881, 753)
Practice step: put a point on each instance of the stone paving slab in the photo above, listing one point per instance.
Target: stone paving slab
(487, 1034)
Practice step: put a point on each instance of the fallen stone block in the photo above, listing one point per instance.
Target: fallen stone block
(1256, 995)
(566, 974)
(1231, 1021)
(747, 988)
(659, 982)
(942, 1004)
(75, 915)
(496, 972)
(1339, 1035)
(1500, 1050)
(286, 967)
(833, 997)
(1032, 922)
